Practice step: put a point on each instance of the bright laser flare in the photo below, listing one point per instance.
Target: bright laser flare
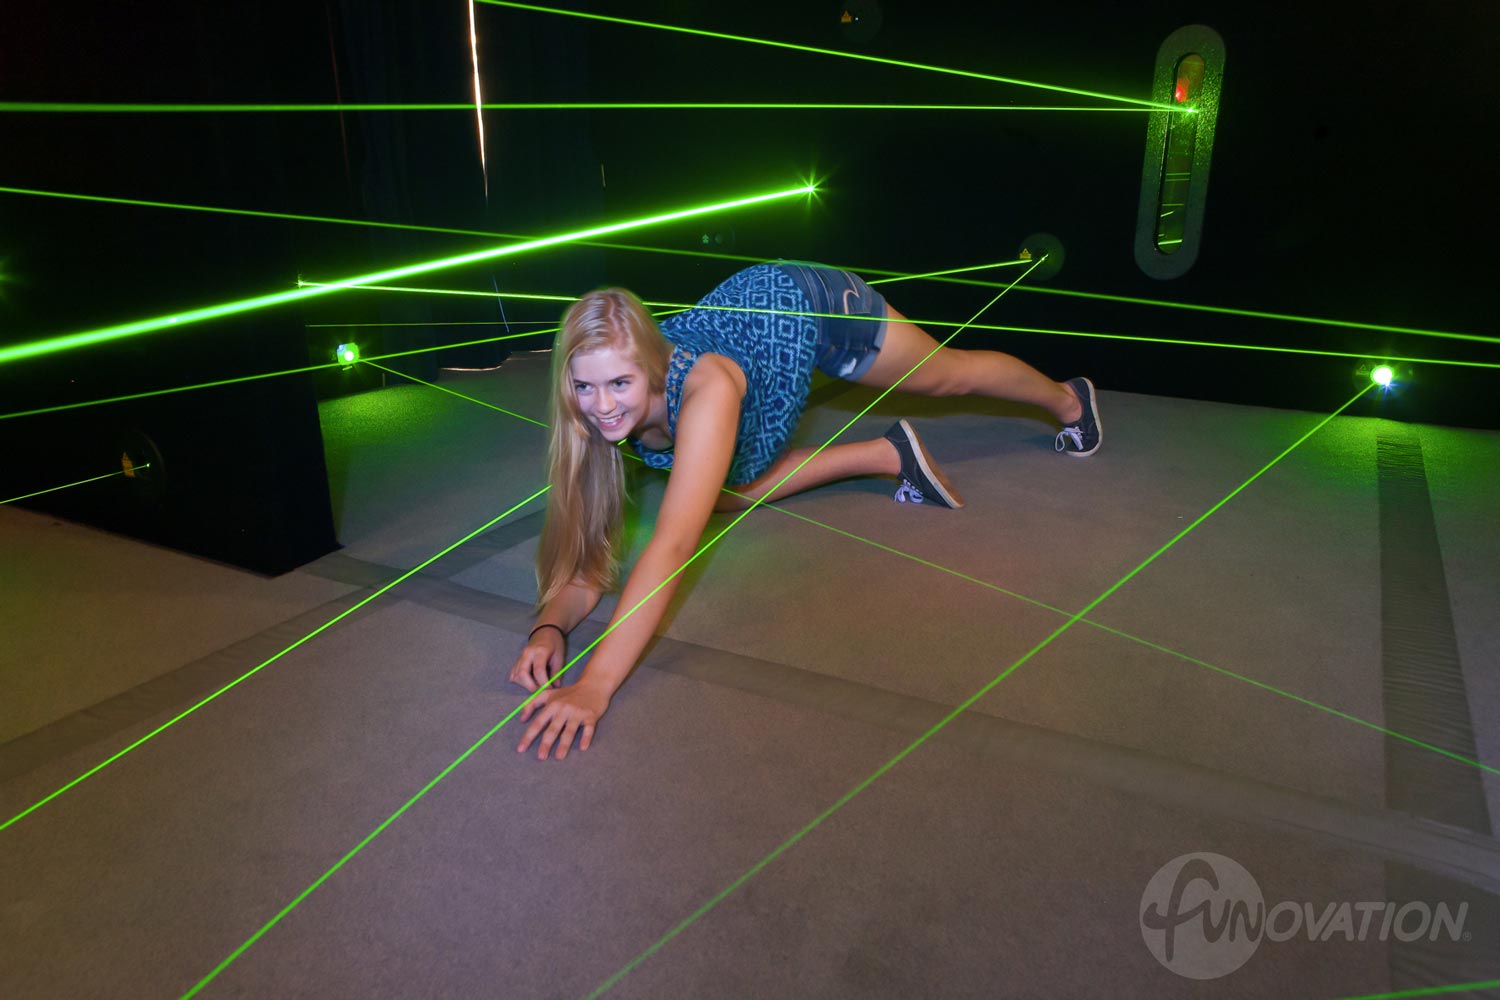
(101, 335)
(833, 52)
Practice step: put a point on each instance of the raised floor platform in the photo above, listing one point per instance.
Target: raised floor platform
(1232, 697)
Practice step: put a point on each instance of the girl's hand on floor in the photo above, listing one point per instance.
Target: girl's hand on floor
(540, 661)
(562, 713)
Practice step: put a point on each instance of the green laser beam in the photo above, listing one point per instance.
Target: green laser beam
(540, 333)
(952, 270)
(1152, 105)
(1257, 314)
(1132, 338)
(1055, 610)
(437, 322)
(1139, 640)
(257, 669)
(439, 388)
(287, 371)
(1430, 991)
(566, 667)
(488, 234)
(40, 411)
(1043, 605)
(103, 334)
(54, 489)
(411, 227)
(469, 293)
(943, 723)
(65, 107)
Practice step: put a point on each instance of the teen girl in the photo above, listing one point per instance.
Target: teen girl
(714, 395)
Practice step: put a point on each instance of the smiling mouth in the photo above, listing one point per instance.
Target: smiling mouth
(613, 422)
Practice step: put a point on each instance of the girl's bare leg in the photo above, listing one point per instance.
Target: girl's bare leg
(952, 372)
(838, 461)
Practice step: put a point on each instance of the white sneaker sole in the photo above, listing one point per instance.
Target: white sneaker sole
(929, 469)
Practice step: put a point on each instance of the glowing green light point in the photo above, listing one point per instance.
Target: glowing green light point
(1382, 376)
(347, 354)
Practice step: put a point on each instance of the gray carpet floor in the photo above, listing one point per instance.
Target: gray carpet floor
(781, 801)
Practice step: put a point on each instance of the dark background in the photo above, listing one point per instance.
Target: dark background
(1350, 180)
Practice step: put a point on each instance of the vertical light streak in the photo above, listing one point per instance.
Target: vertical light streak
(478, 101)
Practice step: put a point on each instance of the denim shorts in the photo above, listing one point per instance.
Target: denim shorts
(847, 340)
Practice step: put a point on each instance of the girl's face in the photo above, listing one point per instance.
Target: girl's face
(611, 390)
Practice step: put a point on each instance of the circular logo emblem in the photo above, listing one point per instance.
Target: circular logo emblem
(1202, 915)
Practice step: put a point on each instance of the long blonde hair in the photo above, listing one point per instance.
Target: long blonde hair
(586, 505)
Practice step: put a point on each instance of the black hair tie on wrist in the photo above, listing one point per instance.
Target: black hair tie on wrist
(547, 625)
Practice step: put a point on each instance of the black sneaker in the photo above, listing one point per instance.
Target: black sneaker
(921, 480)
(1081, 438)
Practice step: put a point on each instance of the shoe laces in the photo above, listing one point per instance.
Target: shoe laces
(1067, 434)
(907, 493)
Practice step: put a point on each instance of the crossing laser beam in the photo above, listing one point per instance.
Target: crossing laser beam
(943, 723)
(257, 669)
(937, 323)
(1153, 105)
(64, 107)
(65, 486)
(214, 973)
(89, 338)
(1119, 633)
(745, 258)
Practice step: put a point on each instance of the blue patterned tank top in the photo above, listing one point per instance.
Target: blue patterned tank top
(745, 319)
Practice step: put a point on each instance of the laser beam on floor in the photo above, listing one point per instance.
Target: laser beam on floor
(1178, 654)
(421, 793)
(844, 800)
(1430, 991)
(261, 666)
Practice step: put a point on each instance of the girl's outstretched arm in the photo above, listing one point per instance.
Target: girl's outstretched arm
(703, 449)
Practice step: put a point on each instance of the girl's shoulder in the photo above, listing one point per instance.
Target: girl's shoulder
(713, 368)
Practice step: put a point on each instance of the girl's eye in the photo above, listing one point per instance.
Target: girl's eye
(620, 383)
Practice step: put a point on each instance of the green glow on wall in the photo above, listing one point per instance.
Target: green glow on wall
(833, 52)
(100, 335)
(63, 107)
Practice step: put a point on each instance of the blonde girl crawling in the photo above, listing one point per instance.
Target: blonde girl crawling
(714, 395)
